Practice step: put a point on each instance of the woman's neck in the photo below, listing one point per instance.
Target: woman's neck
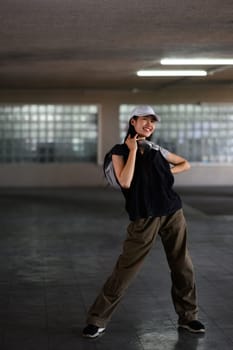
(139, 138)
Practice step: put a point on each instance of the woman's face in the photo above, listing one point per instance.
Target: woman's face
(144, 126)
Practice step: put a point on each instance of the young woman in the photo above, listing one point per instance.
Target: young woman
(145, 174)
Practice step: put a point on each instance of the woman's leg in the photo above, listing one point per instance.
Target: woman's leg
(173, 232)
(140, 237)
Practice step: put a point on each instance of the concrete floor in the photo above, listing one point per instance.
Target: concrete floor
(58, 246)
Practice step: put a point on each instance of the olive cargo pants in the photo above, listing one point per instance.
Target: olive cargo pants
(139, 240)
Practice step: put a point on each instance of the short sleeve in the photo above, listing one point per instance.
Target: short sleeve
(120, 150)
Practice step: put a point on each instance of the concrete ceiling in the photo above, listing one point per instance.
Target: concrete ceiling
(91, 44)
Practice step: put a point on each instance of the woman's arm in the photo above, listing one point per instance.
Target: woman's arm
(180, 164)
(124, 171)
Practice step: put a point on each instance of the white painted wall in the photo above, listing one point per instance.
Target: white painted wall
(51, 175)
(72, 175)
(206, 175)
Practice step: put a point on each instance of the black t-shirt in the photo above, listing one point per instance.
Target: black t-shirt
(150, 192)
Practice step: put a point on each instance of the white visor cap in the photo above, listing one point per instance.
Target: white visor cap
(145, 110)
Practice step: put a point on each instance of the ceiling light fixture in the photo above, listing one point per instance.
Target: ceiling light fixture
(197, 61)
(171, 73)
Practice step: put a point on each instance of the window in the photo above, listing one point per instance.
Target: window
(48, 133)
(200, 133)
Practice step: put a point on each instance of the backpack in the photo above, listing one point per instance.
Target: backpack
(109, 171)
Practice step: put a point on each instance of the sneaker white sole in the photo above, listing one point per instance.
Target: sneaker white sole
(184, 326)
(97, 334)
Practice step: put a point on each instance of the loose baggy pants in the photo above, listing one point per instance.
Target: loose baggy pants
(140, 237)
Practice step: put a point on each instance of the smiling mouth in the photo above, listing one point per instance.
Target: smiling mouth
(147, 129)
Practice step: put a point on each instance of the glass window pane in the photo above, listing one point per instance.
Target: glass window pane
(48, 133)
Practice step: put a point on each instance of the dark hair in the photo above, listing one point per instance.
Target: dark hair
(131, 130)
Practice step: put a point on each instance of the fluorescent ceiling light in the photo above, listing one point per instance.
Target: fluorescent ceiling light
(171, 73)
(197, 61)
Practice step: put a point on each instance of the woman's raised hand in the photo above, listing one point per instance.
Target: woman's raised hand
(131, 143)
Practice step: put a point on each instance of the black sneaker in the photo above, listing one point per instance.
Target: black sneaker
(194, 326)
(92, 331)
